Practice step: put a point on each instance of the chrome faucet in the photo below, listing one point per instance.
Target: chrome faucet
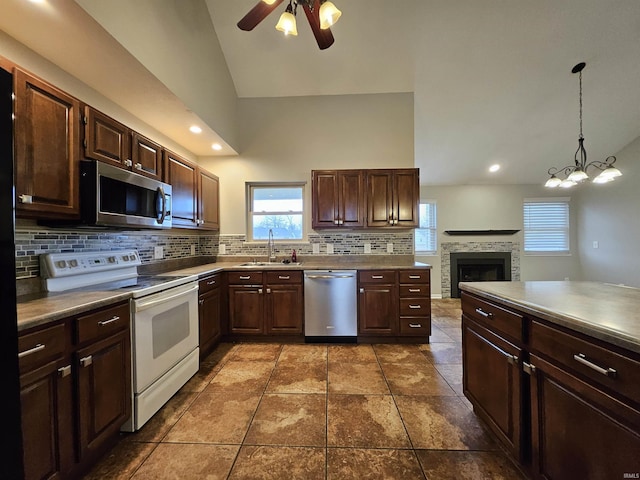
(271, 247)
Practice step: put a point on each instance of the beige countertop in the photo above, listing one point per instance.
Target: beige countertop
(604, 311)
(40, 308)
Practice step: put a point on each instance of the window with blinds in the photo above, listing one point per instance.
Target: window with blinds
(426, 236)
(546, 225)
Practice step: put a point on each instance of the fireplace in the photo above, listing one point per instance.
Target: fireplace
(478, 267)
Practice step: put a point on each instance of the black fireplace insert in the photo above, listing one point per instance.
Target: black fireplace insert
(478, 267)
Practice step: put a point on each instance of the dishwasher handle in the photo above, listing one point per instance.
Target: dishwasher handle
(325, 276)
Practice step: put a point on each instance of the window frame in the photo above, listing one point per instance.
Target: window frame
(565, 229)
(250, 187)
(433, 228)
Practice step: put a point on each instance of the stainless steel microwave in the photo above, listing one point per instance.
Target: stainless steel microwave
(115, 197)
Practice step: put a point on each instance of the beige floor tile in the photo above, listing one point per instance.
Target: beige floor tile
(221, 354)
(202, 378)
(442, 423)
(298, 377)
(446, 321)
(370, 421)
(361, 464)
(407, 354)
(439, 335)
(443, 352)
(351, 354)
(188, 462)
(243, 376)
(121, 462)
(256, 352)
(455, 333)
(448, 465)
(289, 419)
(410, 379)
(452, 373)
(303, 353)
(356, 378)
(216, 416)
(271, 463)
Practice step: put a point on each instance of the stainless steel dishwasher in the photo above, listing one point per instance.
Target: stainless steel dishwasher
(330, 306)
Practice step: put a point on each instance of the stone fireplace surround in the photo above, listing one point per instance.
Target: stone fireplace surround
(448, 248)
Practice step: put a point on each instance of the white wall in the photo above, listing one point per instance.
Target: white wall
(497, 207)
(283, 139)
(610, 215)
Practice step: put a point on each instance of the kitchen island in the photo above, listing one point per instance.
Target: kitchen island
(554, 370)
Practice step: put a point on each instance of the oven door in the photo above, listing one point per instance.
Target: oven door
(165, 331)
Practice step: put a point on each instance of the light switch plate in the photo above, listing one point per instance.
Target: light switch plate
(222, 249)
(329, 248)
(158, 252)
(316, 248)
(193, 249)
(389, 247)
(367, 247)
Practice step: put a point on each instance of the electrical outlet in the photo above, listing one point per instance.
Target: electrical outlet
(329, 248)
(316, 248)
(158, 253)
(222, 249)
(367, 247)
(595, 244)
(193, 249)
(389, 247)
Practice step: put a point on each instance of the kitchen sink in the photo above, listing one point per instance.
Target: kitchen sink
(269, 264)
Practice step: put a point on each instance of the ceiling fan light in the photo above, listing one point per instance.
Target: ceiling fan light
(287, 24)
(553, 182)
(329, 15)
(577, 176)
(269, 2)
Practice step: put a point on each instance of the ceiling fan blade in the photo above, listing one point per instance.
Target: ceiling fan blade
(323, 37)
(257, 14)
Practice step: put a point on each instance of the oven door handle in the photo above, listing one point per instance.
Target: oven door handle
(143, 305)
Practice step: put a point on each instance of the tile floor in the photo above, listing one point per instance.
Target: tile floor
(271, 411)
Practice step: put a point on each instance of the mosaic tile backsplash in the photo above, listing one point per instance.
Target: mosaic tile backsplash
(33, 241)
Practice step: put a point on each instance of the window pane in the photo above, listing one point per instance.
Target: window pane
(278, 207)
(426, 236)
(546, 226)
(284, 227)
(277, 199)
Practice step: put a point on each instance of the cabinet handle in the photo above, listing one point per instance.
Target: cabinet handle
(268, 290)
(415, 325)
(377, 277)
(483, 313)
(115, 318)
(201, 302)
(415, 277)
(64, 371)
(138, 166)
(128, 163)
(340, 222)
(260, 290)
(336, 222)
(415, 307)
(86, 361)
(414, 290)
(25, 198)
(212, 282)
(529, 368)
(362, 290)
(39, 347)
(245, 277)
(284, 277)
(609, 372)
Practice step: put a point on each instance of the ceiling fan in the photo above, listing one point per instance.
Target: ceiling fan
(321, 14)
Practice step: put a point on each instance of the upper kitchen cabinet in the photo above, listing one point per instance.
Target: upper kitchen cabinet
(47, 153)
(393, 197)
(108, 140)
(338, 198)
(195, 194)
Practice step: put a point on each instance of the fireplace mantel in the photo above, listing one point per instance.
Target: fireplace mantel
(480, 232)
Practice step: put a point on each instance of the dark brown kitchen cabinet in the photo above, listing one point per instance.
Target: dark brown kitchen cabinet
(209, 313)
(415, 302)
(377, 302)
(208, 200)
(106, 139)
(246, 302)
(337, 198)
(146, 156)
(47, 153)
(75, 390)
(393, 198)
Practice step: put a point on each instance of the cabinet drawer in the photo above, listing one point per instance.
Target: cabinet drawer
(495, 317)
(611, 369)
(287, 276)
(102, 323)
(415, 291)
(209, 283)
(414, 276)
(39, 347)
(245, 278)
(415, 306)
(377, 276)
(415, 326)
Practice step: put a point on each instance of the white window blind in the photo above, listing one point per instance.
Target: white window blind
(546, 225)
(426, 236)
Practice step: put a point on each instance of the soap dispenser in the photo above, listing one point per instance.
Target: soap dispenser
(294, 257)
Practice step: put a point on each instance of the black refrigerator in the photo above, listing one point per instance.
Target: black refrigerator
(10, 433)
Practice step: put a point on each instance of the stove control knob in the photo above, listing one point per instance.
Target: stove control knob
(61, 264)
(73, 263)
(111, 259)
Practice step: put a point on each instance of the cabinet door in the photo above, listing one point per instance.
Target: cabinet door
(406, 198)
(209, 200)
(577, 430)
(104, 391)
(492, 380)
(284, 309)
(183, 177)
(146, 156)
(209, 318)
(47, 421)
(47, 149)
(351, 195)
(324, 202)
(246, 309)
(337, 198)
(379, 198)
(377, 310)
(106, 139)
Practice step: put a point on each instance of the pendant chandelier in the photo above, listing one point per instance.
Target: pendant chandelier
(571, 175)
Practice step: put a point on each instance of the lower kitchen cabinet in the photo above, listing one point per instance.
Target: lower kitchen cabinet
(284, 306)
(209, 313)
(75, 391)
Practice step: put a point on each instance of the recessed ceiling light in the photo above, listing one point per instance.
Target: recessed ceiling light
(494, 168)
(37, 1)
(216, 146)
(195, 129)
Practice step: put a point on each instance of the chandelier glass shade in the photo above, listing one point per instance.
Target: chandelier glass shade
(328, 14)
(567, 177)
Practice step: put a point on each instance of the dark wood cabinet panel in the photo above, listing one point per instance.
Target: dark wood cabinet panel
(146, 156)
(210, 313)
(406, 193)
(47, 150)
(209, 200)
(246, 309)
(377, 310)
(337, 198)
(393, 198)
(379, 198)
(106, 139)
(284, 309)
(182, 175)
